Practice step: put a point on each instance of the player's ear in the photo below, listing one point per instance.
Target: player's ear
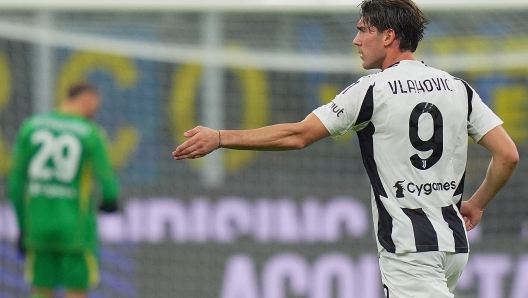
(389, 36)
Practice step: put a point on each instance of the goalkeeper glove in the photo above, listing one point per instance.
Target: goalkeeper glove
(20, 245)
(108, 206)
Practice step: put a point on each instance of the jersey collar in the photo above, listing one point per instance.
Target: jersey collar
(398, 63)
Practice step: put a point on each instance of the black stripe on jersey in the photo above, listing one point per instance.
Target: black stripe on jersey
(384, 226)
(367, 107)
(424, 233)
(366, 144)
(460, 188)
(457, 226)
(459, 204)
(469, 96)
(386, 290)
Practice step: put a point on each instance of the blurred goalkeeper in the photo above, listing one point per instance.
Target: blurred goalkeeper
(56, 157)
(413, 123)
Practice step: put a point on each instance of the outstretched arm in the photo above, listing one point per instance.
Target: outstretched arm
(287, 136)
(503, 162)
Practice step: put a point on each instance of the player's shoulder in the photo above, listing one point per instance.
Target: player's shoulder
(363, 82)
(36, 120)
(443, 73)
(464, 83)
(37, 117)
(101, 131)
(97, 132)
(64, 122)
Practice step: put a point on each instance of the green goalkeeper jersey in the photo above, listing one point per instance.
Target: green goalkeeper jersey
(56, 158)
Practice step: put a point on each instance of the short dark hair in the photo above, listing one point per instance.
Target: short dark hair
(403, 16)
(81, 87)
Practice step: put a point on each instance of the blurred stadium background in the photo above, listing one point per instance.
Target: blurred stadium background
(241, 224)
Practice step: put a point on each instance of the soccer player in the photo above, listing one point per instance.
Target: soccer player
(56, 156)
(413, 123)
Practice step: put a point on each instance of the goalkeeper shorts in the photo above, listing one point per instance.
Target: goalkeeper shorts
(75, 271)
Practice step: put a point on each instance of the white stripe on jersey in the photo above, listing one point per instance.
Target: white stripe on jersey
(412, 123)
(445, 236)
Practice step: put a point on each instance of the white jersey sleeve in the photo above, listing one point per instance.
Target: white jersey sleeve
(481, 119)
(340, 115)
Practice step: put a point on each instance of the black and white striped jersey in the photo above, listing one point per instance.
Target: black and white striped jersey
(413, 123)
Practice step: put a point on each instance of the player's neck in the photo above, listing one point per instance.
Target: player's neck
(395, 57)
(69, 108)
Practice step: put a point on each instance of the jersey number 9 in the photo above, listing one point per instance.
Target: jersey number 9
(435, 143)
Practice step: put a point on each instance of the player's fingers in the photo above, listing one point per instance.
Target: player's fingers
(202, 141)
(192, 151)
(466, 223)
(182, 151)
(193, 131)
(470, 225)
(185, 146)
(184, 156)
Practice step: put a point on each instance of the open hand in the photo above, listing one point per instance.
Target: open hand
(201, 141)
